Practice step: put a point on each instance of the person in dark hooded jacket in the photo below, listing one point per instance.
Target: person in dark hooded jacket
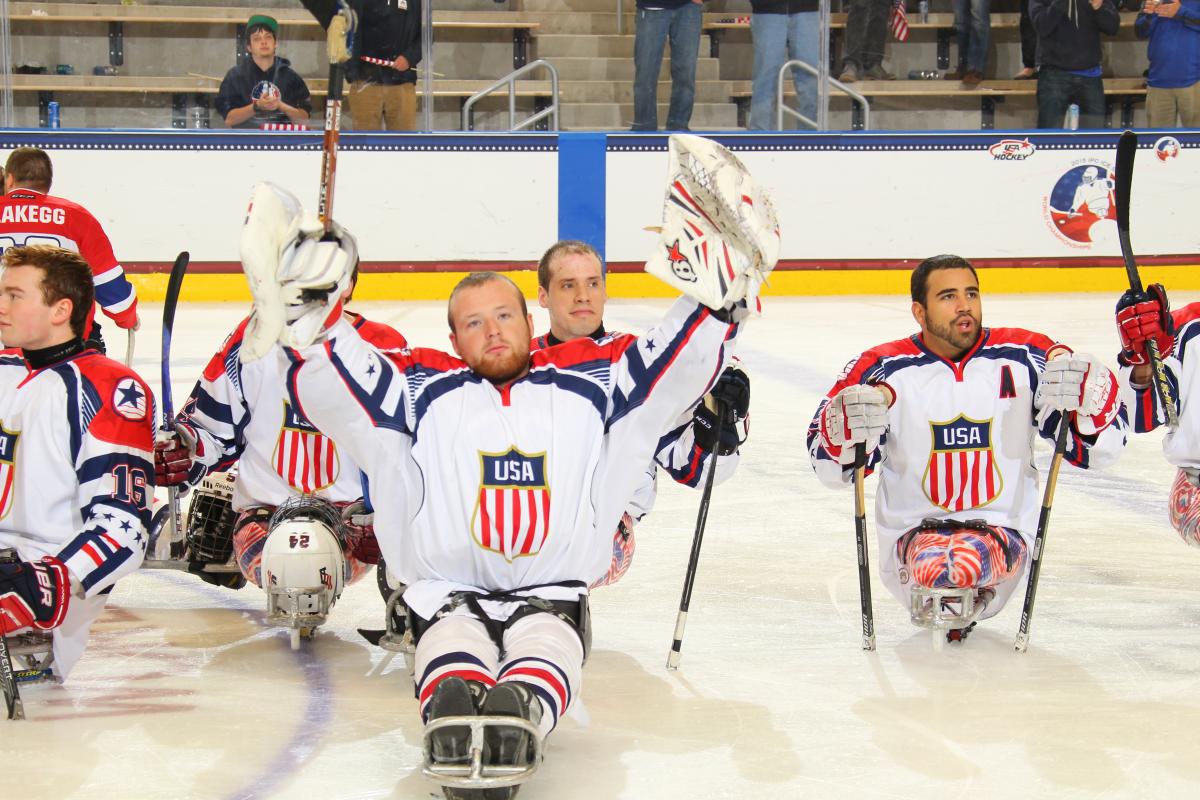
(264, 88)
(1068, 55)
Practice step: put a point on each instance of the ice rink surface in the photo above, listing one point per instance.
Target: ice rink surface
(183, 693)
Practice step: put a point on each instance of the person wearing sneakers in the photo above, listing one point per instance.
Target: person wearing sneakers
(866, 28)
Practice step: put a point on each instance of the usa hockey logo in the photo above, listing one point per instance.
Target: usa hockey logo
(8, 472)
(1012, 150)
(129, 400)
(512, 514)
(304, 457)
(1081, 208)
(962, 471)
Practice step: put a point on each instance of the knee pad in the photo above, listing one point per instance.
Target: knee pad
(210, 519)
(303, 563)
(1185, 507)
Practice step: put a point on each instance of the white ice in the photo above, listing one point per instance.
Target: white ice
(184, 693)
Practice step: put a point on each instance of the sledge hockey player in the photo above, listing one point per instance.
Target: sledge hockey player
(76, 468)
(948, 417)
(290, 476)
(1140, 318)
(29, 214)
(498, 475)
(571, 287)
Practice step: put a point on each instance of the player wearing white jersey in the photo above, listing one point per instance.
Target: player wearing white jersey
(948, 418)
(1140, 318)
(1094, 192)
(571, 287)
(76, 471)
(249, 414)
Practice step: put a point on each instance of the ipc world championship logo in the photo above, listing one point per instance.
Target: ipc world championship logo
(1081, 208)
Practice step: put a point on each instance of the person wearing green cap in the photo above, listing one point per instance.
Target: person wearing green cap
(263, 88)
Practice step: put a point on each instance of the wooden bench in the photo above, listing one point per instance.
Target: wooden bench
(1123, 91)
(522, 25)
(186, 92)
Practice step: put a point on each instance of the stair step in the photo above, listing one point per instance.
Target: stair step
(620, 115)
(622, 91)
(617, 69)
(575, 44)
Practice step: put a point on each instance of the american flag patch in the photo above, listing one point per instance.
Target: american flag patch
(512, 514)
(304, 457)
(8, 459)
(962, 471)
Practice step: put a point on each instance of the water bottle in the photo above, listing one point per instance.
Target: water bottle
(923, 6)
(1073, 117)
(198, 116)
(52, 114)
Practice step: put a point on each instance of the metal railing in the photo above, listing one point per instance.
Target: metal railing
(510, 80)
(781, 108)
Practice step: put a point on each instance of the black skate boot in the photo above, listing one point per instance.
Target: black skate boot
(455, 697)
(510, 747)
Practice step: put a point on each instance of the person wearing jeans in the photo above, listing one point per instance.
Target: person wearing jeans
(1069, 58)
(783, 30)
(658, 21)
(866, 29)
(972, 20)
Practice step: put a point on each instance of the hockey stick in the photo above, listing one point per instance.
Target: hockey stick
(689, 579)
(1126, 152)
(129, 348)
(339, 41)
(174, 284)
(1039, 541)
(860, 535)
(8, 683)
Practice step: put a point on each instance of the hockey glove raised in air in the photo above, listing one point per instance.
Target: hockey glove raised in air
(732, 394)
(1142, 316)
(1080, 383)
(33, 594)
(856, 415)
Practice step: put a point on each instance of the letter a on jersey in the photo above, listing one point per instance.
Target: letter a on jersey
(8, 461)
(962, 471)
(512, 515)
(304, 457)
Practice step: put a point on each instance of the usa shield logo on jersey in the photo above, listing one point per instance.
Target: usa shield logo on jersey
(962, 471)
(8, 461)
(512, 514)
(304, 457)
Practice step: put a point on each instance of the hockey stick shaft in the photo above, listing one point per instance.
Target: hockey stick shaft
(689, 579)
(129, 342)
(8, 682)
(338, 42)
(170, 303)
(860, 535)
(1126, 153)
(1039, 541)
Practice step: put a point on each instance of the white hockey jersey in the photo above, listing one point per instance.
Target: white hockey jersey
(486, 488)
(960, 436)
(76, 475)
(1182, 445)
(250, 414)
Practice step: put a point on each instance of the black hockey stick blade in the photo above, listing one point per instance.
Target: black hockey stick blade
(1039, 541)
(8, 683)
(1126, 153)
(170, 303)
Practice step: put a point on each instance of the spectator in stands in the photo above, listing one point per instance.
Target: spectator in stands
(263, 88)
(658, 20)
(866, 28)
(1068, 49)
(384, 96)
(1028, 46)
(1173, 84)
(973, 21)
(783, 30)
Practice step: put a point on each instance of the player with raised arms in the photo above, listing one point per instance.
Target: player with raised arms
(76, 462)
(948, 418)
(571, 287)
(499, 475)
(290, 518)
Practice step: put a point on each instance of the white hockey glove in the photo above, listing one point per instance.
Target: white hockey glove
(720, 235)
(856, 414)
(296, 274)
(1080, 383)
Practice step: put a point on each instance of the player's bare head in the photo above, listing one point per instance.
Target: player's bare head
(47, 296)
(28, 168)
(571, 287)
(490, 326)
(947, 305)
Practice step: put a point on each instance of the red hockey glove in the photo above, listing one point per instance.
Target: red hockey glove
(173, 456)
(1141, 317)
(33, 595)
